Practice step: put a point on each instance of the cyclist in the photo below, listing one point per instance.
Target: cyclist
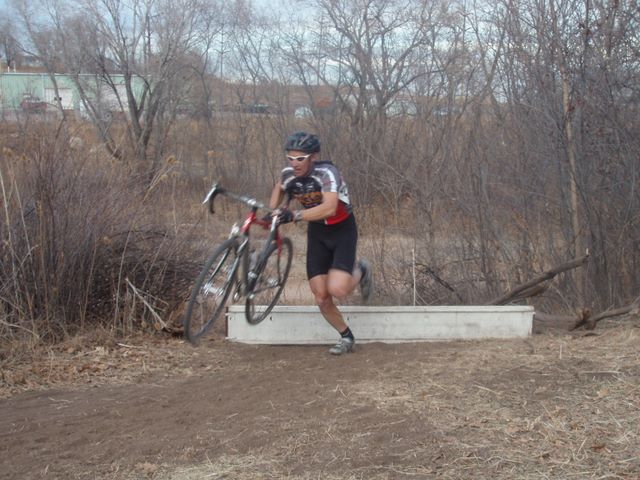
(332, 234)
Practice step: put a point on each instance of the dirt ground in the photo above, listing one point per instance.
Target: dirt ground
(153, 407)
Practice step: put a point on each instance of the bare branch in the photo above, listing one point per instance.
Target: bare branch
(519, 291)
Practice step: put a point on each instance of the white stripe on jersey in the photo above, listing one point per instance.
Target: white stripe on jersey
(332, 179)
(288, 180)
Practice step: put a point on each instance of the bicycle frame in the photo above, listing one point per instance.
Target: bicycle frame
(246, 282)
(231, 269)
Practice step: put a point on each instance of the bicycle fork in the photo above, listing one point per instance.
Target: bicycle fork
(260, 261)
(241, 270)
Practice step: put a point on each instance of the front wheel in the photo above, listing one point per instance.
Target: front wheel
(270, 281)
(211, 291)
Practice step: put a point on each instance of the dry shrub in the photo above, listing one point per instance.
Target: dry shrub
(80, 244)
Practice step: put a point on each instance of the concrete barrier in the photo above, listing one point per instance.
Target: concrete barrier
(305, 325)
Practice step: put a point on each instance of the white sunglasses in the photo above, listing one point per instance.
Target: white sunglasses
(301, 158)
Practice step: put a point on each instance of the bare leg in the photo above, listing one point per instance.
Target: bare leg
(340, 283)
(336, 284)
(320, 289)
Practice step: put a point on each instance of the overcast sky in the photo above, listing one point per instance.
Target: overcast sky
(261, 3)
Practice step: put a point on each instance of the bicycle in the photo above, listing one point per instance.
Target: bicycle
(259, 277)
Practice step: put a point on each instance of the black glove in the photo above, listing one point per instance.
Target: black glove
(285, 216)
(266, 218)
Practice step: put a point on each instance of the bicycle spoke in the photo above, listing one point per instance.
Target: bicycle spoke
(270, 282)
(211, 291)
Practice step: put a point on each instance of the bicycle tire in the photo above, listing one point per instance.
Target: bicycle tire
(270, 281)
(211, 291)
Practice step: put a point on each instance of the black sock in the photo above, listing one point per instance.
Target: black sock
(347, 334)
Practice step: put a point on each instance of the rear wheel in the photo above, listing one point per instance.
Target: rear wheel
(270, 281)
(211, 291)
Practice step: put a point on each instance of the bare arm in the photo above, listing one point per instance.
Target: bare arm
(277, 194)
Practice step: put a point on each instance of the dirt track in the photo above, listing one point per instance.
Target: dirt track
(548, 407)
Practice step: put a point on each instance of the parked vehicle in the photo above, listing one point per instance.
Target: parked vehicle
(32, 104)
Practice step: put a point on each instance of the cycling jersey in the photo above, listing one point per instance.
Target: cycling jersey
(323, 177)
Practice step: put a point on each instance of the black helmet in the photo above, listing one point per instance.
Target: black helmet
(302, 142)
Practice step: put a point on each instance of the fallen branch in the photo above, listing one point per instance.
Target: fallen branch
(589, 322)
(531, 292)
(584, 317)
(532, 287)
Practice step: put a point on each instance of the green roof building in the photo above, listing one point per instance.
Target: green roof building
(36, 92)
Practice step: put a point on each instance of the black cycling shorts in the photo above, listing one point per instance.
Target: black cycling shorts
(331, 246)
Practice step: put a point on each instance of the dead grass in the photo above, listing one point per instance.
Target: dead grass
(86, 240)
(88, 359)
(554, 406)
(551, 406)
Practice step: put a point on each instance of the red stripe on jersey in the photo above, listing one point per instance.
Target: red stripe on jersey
(342, 213)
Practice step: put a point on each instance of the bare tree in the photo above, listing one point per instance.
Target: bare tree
(371, 54)
(9, 46)
(125, 56)
(563, 75)
(495, 140)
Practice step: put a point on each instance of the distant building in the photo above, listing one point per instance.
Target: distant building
(36, 93)
(19, 90)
